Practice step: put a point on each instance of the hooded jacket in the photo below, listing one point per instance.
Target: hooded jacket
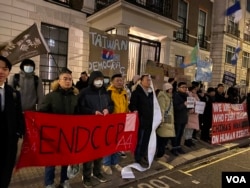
(60, 101)
(120, 99)
(30, 95)
(92, 99)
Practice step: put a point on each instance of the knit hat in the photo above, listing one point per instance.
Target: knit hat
(167, 86)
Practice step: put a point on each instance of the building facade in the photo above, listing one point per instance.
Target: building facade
(160, 30)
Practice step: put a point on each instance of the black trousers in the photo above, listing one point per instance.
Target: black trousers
(8, 153)
(87, 168)
(161, 145)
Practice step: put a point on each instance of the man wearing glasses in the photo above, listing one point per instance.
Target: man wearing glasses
(180, 117)
(62, 100)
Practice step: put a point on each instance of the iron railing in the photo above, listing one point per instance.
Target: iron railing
(161, 7)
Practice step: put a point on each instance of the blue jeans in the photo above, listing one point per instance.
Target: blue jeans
(111, 159)
(50, 174)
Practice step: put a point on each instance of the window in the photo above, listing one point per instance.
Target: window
(229, 54)
(57, 40)
(202, 28)
(245, 59)
(182, 17)
(232, 27)
(178, 60)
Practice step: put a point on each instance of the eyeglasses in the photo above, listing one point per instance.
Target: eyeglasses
(183, 87)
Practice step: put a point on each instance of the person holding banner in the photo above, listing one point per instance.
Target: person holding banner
(180, 117)
(120, 98)
(62, 100)
(142, 102)
(95, 100)
(12, 123)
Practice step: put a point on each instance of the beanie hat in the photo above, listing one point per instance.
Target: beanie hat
(167, 86)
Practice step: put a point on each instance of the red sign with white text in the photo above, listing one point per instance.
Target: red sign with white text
(230, 122)
(53, 139)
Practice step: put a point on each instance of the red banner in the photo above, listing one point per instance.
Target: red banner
(230, 122)
(53, 139)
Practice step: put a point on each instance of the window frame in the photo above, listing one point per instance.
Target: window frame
(230, 50)
(57, 58)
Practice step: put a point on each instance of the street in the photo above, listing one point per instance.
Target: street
(206, 173)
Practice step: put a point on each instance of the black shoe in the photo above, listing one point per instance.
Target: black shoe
(87, 183)
(100, 178)
(180, 151)
(174, 152)
(188, 143)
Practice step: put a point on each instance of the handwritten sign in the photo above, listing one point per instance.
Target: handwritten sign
(199, 107)
(52, 139)
(190, 102)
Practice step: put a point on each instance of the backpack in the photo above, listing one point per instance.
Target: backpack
(16, 79)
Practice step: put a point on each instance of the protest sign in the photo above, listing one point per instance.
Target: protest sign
(230, 122)
(53, 139)
(199, 107)
(190, 102)
(27, 44)
(108, 53)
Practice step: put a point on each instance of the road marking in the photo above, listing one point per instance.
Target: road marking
(202, 166)
(171, 179)
(169, 166)
(186, 173)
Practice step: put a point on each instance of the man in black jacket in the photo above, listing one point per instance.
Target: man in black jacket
(180, 117)
(97, 101)
(12, 124)
(142, 102)
(83, 81)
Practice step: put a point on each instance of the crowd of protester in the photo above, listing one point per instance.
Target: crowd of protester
(180, 125)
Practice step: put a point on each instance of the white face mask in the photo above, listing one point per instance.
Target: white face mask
(28, 69)
(98, 83)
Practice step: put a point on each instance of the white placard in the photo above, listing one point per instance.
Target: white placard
(199, 107)
(190, 102)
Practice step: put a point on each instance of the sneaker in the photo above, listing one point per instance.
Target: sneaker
(65, 184)
(87, 183)
(107, 169)
(100, 178)
(50, 186)
(122, 154)
(118, 167)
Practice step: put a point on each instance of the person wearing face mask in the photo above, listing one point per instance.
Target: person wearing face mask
(28, 84)
(94, 100)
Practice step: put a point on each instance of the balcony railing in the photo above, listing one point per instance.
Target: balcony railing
(233, 30)
(181, 35)
(161, 7)
(203, 41)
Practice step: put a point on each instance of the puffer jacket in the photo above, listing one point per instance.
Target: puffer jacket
(120, 99)
(92, 99)
(166, 128)
(60, 101)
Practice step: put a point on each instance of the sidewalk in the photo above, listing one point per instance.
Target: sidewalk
(33, 177)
